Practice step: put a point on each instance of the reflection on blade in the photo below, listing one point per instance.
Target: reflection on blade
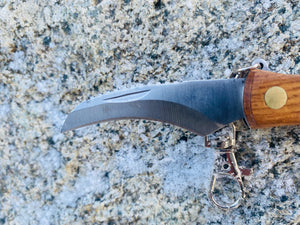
(128, 96)
(198, 106)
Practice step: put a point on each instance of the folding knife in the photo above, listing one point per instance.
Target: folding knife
(254, 94)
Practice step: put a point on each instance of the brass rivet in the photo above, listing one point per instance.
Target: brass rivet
(275, 97)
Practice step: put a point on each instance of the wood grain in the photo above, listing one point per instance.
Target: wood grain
(258, 114)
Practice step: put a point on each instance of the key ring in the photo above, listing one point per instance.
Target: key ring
(222, 204)
(226, 167)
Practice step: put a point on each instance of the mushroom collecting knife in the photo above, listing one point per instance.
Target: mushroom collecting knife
(262, 99)
(259, 97)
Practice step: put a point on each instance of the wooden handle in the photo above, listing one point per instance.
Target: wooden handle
(271, 99)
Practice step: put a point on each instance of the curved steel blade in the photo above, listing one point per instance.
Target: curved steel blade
(198, 106)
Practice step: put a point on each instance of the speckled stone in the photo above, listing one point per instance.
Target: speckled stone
(55, 54)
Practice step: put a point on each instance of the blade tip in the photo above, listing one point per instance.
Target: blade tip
(64, 128)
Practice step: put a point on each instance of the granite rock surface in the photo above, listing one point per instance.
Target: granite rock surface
(55, 54)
